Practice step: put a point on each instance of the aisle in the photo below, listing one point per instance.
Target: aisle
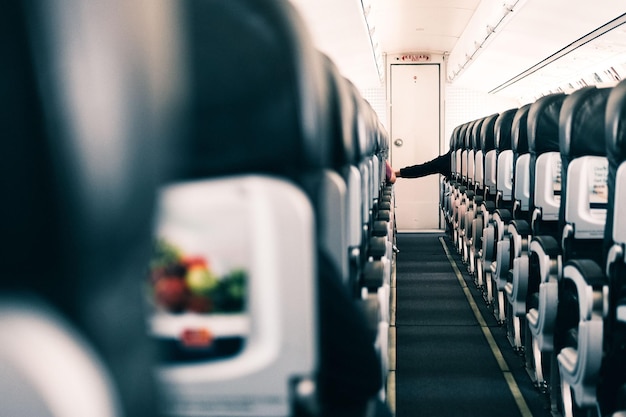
(444, 365)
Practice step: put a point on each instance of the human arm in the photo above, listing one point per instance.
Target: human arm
(439, 165)
(390, 174)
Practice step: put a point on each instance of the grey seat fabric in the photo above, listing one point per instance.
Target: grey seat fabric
(611, 388)
(274, 118)
(487, 143)
(543, 137)
(82, 124)
(519, 145)
(581, 122)
(547, 283)
(504, 153)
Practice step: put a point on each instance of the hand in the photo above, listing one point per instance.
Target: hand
(390, 175)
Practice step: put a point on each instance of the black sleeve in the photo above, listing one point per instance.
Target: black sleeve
(439, 165)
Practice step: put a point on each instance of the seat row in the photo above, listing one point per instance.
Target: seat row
(210, 144)
(533, 207)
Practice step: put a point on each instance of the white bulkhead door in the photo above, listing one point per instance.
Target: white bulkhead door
(415, 114)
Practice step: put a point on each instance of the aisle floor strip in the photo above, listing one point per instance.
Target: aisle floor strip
(504, 368)
(391, 375)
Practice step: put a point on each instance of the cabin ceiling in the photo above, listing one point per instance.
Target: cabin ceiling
(522, 40)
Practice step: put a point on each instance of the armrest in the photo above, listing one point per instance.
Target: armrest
(519, 290)
(502, 263)
(501, 219)
(489, 206)
(580, 365)
(488, 243)
(377, 247)
(547, 251)
(384, 215)
(591, 273)
(542, 316)
(521, 227)
(616, 254)
(373, 275)
(520, 237)
(504, 214)
(380, 228)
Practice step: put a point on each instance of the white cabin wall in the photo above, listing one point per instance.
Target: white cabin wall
(464, 105)
(460, 105)
(377, 97)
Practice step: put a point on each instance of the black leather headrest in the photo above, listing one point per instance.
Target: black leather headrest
(460, 139)
(359, 127)
(615, 125)
(615, 140)
(581, 131)
(259, 91)
(373, 128)
(366, 124)
(543, 124)
(519, 131)
(81, 128)
(464, 133)
(487, 133)
(475, 132)
(343, 117)
(503, 129)
(477, 139)
(370, 122)
(453, 136)
(383, 138)
(582, 123)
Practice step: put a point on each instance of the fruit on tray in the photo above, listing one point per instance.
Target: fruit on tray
(182, 283)
(171, 293)
(200, 280)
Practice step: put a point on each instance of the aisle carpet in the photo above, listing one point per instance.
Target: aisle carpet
(444, 366)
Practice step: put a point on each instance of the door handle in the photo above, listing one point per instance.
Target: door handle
(398, 142)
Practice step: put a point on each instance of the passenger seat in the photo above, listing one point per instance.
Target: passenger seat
(85, 114)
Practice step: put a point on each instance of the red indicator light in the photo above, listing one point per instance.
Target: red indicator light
(416, 57)
(196, 338)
